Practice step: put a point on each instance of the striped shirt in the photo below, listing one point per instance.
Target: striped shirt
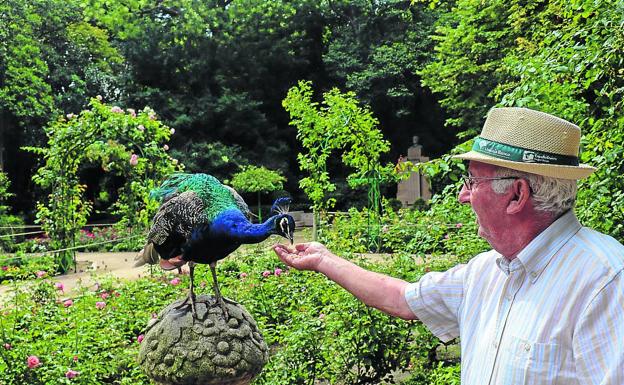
(553, 315)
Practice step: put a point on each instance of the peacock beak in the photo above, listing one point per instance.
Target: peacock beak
(291, 238)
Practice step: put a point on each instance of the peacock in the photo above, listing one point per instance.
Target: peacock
(202, 221)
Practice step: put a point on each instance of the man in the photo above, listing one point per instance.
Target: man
(546, 305)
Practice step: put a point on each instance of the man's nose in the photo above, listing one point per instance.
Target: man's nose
(464, 195)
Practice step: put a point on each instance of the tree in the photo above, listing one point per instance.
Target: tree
(377, 49)
(338, 123)
(259, 180)
(559, 57)
(50, 61)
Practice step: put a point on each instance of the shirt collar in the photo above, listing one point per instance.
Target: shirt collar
(537, 254)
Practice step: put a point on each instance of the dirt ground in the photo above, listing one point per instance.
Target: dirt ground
(117, 264)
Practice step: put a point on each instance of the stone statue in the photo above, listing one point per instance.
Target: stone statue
(179, 349)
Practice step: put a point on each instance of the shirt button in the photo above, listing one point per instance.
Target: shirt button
(527, 347)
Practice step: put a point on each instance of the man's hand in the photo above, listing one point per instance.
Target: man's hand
(303, 256)
(172, 263)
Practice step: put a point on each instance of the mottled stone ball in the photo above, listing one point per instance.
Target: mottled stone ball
(179, 349)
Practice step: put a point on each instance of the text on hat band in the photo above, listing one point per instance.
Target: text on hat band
(518, 154)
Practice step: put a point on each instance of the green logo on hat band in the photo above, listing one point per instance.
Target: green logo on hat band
(518, 154)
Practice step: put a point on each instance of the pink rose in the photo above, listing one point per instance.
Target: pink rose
(132, 112)
(446, 236)
(71, 374)
(321, 316)
(8, 346)
(60, 287)
(243, 275)
(68, 303)
(266, 273)
(100, 305)
(140, 338)
(75, 358)
(41, 274)
(141, 127)
(117, 110)
(104, 295)
(32, 362)
(459, 225)
(5, 268)
(175, 282)
(278, 272)
(134, 160)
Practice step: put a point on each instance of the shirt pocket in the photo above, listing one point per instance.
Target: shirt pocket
(531, 363)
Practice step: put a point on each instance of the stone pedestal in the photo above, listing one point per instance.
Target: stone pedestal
(179, 349)
(416, 185)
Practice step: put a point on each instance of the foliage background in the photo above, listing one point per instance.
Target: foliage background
(217, 71)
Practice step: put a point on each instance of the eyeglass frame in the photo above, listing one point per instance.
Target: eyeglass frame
(470, 180)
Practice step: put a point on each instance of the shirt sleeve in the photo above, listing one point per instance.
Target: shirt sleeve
(599, 337)
(436, 300)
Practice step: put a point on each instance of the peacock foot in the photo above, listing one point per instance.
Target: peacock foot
(221, 302)
(190, 299)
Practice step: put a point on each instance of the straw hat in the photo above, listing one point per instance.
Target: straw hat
(530, 141)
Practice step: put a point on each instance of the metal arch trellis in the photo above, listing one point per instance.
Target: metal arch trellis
(374, 209)
(372, 178)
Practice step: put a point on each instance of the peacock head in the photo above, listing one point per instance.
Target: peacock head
(284, 225)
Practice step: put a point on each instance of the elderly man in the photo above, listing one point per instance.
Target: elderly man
(546, 305)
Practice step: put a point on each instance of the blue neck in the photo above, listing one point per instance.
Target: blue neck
(233, 224)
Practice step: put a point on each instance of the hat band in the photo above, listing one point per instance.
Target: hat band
(519, 154)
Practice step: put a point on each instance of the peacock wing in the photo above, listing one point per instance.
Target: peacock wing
(174, 222)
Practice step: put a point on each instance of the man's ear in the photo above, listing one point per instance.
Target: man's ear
(521, 192)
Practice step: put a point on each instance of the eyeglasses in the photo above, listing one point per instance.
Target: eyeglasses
(469, 181)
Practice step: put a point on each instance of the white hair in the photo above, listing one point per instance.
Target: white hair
(553, 195)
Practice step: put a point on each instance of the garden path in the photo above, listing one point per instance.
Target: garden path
(92, 264)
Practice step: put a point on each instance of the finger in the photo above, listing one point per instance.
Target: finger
(282, 248)
(288, 259)
(302, 246)
(281, 251)
(168, 265)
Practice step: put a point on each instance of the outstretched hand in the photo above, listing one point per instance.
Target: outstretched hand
(302, 256)
(172, 263)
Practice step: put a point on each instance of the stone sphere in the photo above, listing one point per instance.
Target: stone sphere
(179, 349)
